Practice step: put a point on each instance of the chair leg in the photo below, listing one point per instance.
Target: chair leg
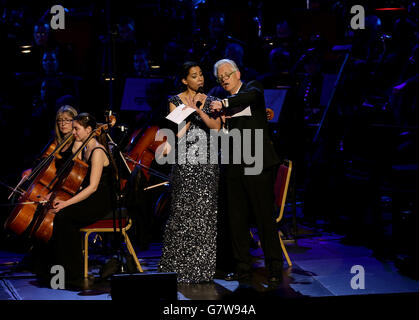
(86, 254)
(284, 251)
(132, 251)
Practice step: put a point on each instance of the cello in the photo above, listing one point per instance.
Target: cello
(143, 153)
(70, 179)
(43, 181)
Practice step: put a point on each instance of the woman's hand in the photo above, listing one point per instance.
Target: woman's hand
(26, 173)
(194, 102)
(200, 97)
(59, 205)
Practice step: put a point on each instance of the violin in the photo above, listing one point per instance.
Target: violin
(43, 181)
(73, 173)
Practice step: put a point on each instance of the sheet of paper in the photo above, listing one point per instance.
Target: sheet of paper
(178, 115)
(245, 112)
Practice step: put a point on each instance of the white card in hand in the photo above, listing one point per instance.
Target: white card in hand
(244, 112)
(178, 115)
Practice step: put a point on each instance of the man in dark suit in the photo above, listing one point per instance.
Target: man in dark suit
(249, 186)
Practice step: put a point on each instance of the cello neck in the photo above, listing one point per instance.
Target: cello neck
(50, 156)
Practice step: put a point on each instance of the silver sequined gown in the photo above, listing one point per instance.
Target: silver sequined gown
(189, 242)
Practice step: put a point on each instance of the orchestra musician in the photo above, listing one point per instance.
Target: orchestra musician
(95, 199)
(63, 128)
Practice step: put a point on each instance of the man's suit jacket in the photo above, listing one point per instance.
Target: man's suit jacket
(250, 94)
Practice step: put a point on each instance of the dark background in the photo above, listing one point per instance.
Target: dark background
(355, 165)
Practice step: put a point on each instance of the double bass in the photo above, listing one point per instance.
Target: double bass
(71, 177)
(43, 180)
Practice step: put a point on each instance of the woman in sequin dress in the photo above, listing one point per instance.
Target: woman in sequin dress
(189, 242)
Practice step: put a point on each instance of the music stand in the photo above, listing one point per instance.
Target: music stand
(140, 92)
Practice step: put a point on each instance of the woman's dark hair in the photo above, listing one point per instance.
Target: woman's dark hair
(183, 74)
(184, 71)
(86, 120)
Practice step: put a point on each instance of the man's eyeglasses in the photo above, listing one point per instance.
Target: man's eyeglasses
(66, 121)
(227, 76)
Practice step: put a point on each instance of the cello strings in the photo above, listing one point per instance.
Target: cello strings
(49, 157)
(43, 161)
(69, 161)
(14, 190)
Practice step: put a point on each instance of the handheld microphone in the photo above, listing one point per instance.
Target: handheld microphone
(200, 90)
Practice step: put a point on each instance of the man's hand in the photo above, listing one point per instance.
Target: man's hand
(217, 106)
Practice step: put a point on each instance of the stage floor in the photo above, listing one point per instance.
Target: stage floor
(321, 268)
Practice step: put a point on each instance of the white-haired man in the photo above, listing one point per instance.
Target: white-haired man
(249, 194)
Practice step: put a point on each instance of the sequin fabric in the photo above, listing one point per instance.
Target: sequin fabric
(189, 241)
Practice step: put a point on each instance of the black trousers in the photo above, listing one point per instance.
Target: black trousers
(253, 196)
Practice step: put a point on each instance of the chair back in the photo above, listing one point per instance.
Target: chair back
(281, 186)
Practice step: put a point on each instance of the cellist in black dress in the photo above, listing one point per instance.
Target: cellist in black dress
(63, 129)
(96, 199)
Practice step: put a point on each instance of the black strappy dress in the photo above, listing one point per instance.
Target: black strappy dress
(66, 244)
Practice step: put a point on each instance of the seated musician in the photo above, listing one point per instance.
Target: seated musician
(95, 199)
(63, 128)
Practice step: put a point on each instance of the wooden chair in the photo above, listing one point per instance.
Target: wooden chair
(106, 225)
(281, 190)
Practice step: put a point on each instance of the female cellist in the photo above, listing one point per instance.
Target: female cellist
(63, 128)
(96, 198)
(52, 157)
